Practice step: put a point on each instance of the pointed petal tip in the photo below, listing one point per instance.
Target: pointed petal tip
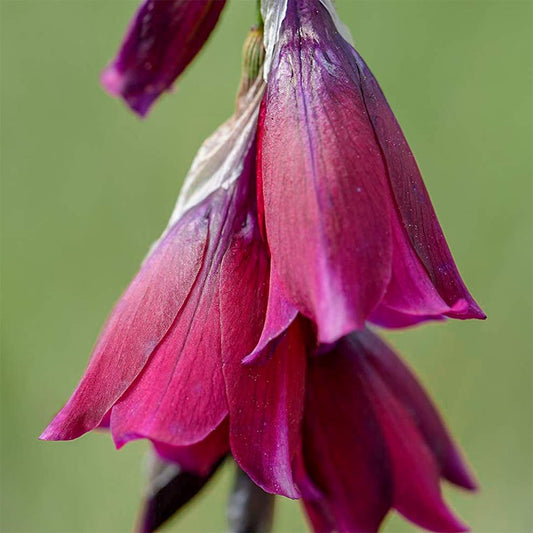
(257, 358)
(47, 435)
(288, 489)
(464, 309)
(440, 519)
(62, 429)
(112, 81)
(464, 478)
(52, 435)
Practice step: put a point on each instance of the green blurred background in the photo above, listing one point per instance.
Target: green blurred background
(86, 187)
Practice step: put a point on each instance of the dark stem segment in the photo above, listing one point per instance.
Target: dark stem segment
(169, 489)
(250, 508)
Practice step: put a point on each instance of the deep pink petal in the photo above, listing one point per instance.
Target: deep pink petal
(318, 515)
(410, 290)
(280, 314)
(264, 413)
(198, 458)
(265, 402)
(388, 318)
(180, 396)
(163, 38)
(373, 441)
(136, 326)
(414, 469)
(403, 385)
(344, 450)
(326, 194)
(412, 199)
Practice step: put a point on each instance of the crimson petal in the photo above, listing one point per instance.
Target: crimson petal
(280, 314)
(412, 199)
(404, 386)
(265, 402)
(139, 321)
(180, 396)
(344, 451)
(414, 470)
(374, 441)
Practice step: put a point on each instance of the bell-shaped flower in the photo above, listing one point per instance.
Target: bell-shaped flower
(163, 38)
(168, 364)
(350, 226)
(157, 369)
(362, 436)
(373, 441)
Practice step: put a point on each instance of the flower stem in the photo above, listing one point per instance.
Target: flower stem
(260, 21)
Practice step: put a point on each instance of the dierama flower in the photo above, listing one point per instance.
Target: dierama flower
(350, 226)
(302, 219)
(173, 315)
(371, 441)
(168, 364)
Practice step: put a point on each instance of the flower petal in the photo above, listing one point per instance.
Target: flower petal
(411, 296)
(163, 38)
(373, 442)
(344, 451)
(198, 458)
(326, 197)
(179, 398)
(404, 386)
(139, 321)
(413, 467)
(412, 199)
(265, 402)
(386, 317)
(280, 314)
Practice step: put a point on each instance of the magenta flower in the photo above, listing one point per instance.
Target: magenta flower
(162, 342)
(370, 441)
(163, 38)
(373, 441)
(350, 226)
(245, 332)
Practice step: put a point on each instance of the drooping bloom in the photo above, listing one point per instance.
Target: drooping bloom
(302, 219)
(371, 441)
(163, 38)
(370, 430)
(350, 226)
(168, 364)
(162, 343)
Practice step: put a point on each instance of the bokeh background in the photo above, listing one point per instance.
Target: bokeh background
(86, 187)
